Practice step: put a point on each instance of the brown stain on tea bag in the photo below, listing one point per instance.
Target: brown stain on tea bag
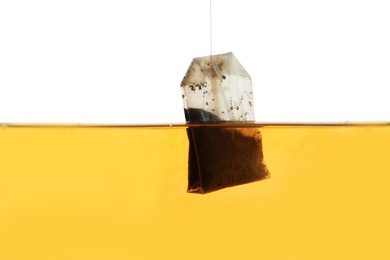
(221, 157)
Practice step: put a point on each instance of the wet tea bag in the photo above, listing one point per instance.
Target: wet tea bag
(217, 90)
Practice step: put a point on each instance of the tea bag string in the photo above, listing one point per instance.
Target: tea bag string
(211, 43)
(211, 32)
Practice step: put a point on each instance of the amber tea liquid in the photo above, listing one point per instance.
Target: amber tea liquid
(69, 192)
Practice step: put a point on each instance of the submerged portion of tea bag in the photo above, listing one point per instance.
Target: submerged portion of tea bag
(221, 157)
(217, 89)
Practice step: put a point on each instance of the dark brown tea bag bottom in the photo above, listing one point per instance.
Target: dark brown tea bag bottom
(221, 157)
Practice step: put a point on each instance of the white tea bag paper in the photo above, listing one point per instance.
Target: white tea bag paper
(217, 88)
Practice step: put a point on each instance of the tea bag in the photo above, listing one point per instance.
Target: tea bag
(217, 90)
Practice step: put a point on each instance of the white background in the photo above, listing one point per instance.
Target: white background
(84, 61)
